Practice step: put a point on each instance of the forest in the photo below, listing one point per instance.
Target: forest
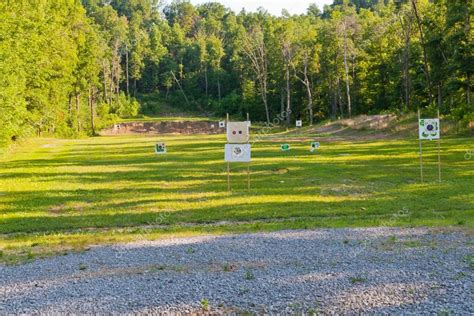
(70, 67)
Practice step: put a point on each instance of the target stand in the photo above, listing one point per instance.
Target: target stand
(237, 148)
(429, 129)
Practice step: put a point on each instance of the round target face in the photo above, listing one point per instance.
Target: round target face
(160, 148)
(429, 129)
(237, 151)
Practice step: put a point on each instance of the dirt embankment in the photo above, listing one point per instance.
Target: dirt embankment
(374, 123)
(165, 127)
(377, 127)
(362, 127)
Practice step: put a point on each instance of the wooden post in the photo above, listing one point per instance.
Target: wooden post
(248, 166)
(421, 149)
(228, 176)
(248, 177)
(228, 163)
(439, 151)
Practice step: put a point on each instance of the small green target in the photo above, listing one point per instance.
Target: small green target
(285, 147)
(314, 146)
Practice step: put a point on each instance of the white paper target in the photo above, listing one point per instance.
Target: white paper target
(237, 152)
(237, 132)
(429, 129)
(222, 124)
(160, 148)
(299, 123)
(315, 146)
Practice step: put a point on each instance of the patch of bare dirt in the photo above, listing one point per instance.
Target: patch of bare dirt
(57, 209)
(359, 123)
(165, 127)
(60, 209)
(374, 122)
(341, 138)
(360, 128)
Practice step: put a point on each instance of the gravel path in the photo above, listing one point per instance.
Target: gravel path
(375, 270)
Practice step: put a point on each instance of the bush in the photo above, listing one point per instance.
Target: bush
(463, 115)
(231, 103)
(126, 106)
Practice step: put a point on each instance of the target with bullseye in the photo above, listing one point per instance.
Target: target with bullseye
(160, 148)
(237, 152)
(429, 129)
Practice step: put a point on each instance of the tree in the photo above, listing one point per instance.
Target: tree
(406, 23)
(288, 46)
(346, 28)
(426, 65)
(458, 40)
(215, 52)
(356, 57)
(306, 61)
(13, 47)
(253, 46)
(314, 11)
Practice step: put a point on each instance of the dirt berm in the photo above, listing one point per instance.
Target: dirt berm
(168, 127)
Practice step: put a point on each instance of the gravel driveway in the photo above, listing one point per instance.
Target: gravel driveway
(375, 270)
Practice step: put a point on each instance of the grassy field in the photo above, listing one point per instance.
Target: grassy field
(62, 195)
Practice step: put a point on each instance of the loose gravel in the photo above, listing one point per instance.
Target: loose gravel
(333, 271)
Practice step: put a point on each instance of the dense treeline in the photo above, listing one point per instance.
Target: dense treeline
(69, 67)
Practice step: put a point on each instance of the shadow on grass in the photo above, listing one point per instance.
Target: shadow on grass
(379, 185)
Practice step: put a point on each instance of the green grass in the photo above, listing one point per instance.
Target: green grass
(62, 195)
(357, 279)
(205, 304)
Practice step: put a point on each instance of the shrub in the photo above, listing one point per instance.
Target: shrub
(125, 106)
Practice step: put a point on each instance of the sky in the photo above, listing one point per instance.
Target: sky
(273, 6)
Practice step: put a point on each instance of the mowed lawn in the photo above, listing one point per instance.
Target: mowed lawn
(58, 195)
